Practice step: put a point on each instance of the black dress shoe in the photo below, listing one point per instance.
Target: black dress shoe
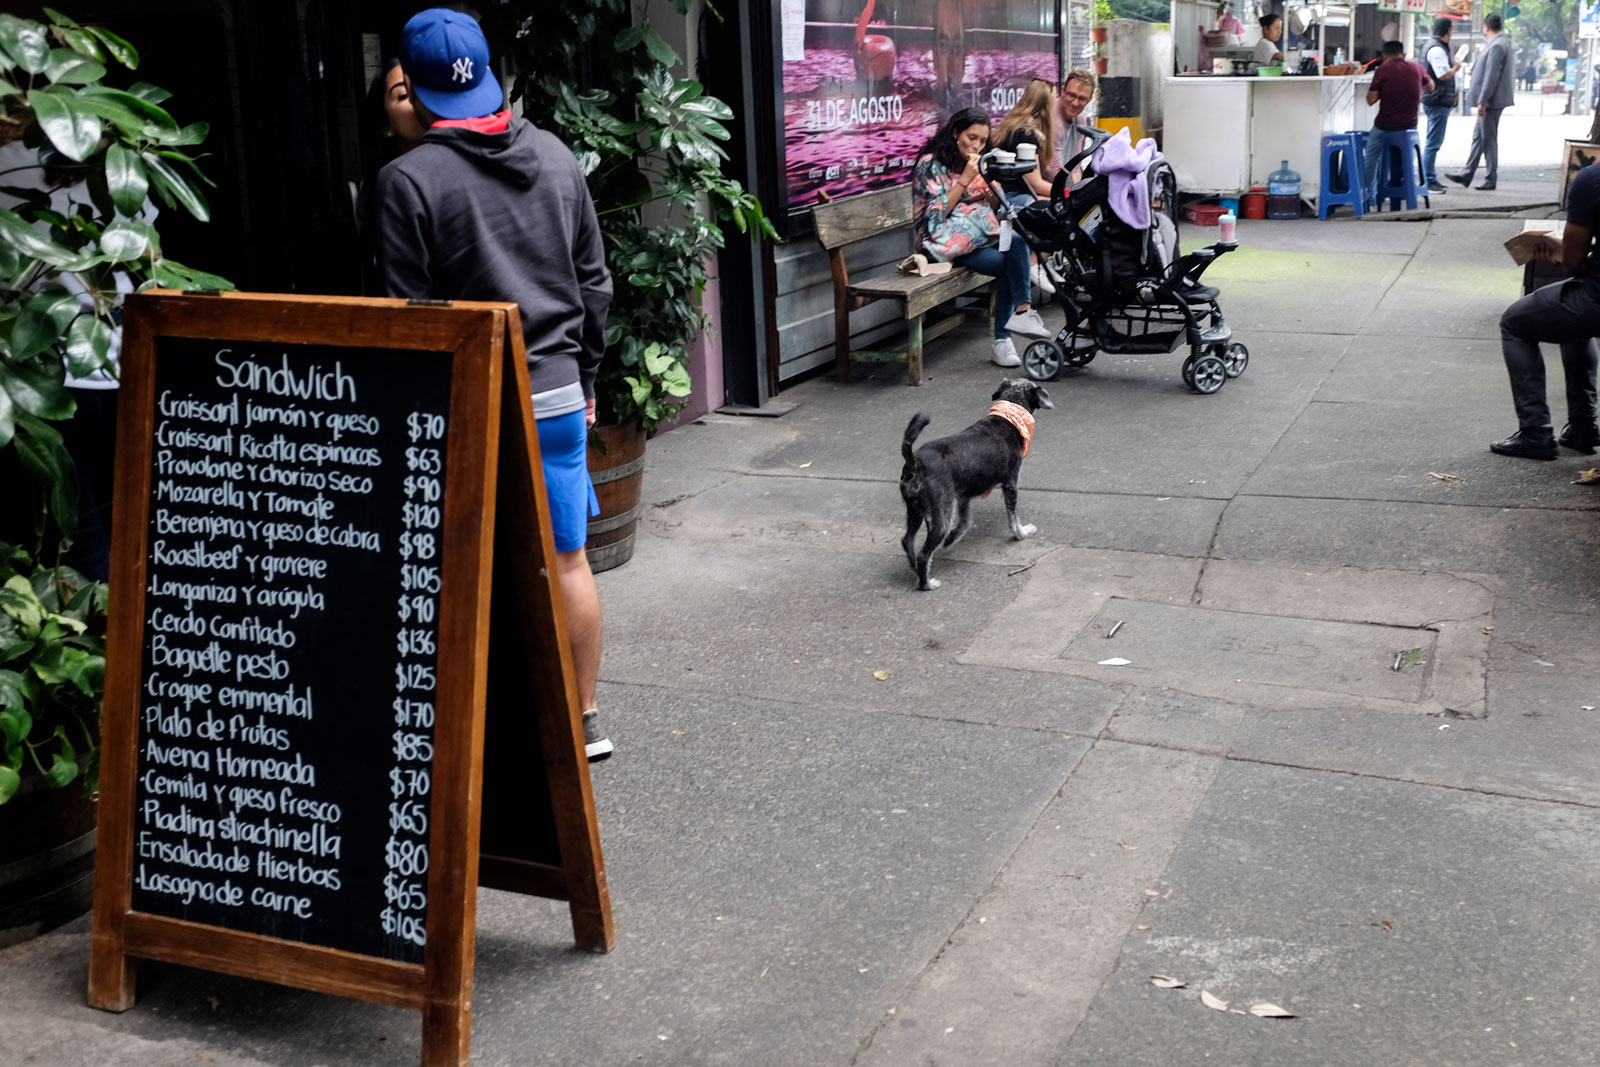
(1528, 444)
(1487, 186)
(1583, 439)
(1460, 179)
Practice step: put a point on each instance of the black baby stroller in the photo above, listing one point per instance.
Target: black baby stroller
(1124, 290)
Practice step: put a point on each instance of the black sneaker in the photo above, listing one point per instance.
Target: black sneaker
(595, 742)
(1528, 444)
(1437, 187)
(1584, 439)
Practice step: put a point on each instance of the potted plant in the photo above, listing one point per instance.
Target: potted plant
(646, 140)
(1099, 16)
(82, 162)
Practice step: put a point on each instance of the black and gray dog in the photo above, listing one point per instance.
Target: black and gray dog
(941, 478)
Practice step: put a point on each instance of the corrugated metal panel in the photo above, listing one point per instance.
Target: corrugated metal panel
(1188, 19)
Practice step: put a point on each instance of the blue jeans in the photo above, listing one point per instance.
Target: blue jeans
(1010, 271)
(1372, 163)
(1437, 117)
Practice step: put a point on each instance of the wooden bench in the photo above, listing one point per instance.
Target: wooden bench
(842, 223)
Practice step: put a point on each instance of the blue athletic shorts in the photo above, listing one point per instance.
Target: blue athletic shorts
(563, 446)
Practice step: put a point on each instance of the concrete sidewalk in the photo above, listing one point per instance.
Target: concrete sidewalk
(981, 856)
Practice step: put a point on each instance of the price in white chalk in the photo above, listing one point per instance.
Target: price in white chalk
(418, 713)
(407, 927)
(422, 426)
(423, 607)
(404, 894)
(409, 816)
(405, 782)
(412, 746)
(415, 642)
(425, 460)
(427, 488)
(413, 676)
(423, 515)
(413, 576)
(406, 857)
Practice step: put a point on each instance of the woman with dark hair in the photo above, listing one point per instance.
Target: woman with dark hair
(956, 223)
(388, 126)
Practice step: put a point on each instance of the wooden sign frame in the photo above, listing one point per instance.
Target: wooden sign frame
(492, 444)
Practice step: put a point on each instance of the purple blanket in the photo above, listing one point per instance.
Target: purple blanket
(1124, 163)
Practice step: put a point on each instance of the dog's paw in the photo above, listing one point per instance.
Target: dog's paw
(1026, 531)
(930, 585)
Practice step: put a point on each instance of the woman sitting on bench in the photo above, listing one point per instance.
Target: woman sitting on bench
(956, 223)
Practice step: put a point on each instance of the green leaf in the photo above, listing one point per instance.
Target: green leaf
(10, 781)
(83, 42)
(43, 320)
(36, 392)
(655, 361)
(16, 232)
(15, 722)
(8, 426)
(675, 380)
(641, 388)
(121, 242)
(659, 49)
(629, 38)
(64, 502)
(37, 459)
(17, 600)
(67, 67)
(88, 341)
(74, 130)
(174, 275)
(126, 179)
(25, 42)
(193, 133)
(152, 121)
(58, 18)
(121, 50)
(62, 771)
(153, 93)
(176, 189)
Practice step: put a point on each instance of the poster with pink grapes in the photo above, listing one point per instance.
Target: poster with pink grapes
(867, 82)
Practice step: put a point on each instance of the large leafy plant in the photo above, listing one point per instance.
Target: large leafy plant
(93, 157)
(83, 162)
(647, 141)
(52, 672)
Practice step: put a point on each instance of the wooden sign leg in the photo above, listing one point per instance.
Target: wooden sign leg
(111, 974)
(544, 624)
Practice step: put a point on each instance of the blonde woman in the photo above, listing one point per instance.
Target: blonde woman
(1029, 123)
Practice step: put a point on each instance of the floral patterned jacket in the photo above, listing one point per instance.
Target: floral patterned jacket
(967, 227)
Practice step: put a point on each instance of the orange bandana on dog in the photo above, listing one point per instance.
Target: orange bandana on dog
(1018, 416)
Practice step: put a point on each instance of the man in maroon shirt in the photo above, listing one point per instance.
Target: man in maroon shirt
(1397, 88)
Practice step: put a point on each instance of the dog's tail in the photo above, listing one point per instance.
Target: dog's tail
(918, 423)
(908, 476)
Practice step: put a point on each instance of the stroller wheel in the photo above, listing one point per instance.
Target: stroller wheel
(1235, 358)
(1080, 357)
(1205, 374)
(1042, 360)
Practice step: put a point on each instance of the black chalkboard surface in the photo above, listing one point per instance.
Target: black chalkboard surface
(295, 506)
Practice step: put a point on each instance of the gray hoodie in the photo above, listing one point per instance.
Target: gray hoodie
(502, 216)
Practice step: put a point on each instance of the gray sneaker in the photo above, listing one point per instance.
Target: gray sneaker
(595, 742)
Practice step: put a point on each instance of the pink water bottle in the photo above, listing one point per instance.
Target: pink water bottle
(1225, 224)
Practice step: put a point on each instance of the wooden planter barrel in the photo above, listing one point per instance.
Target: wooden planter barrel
(46, 858)
(618, 476)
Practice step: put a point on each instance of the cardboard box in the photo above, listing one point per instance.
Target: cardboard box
(1575, 155)
(1536, 272)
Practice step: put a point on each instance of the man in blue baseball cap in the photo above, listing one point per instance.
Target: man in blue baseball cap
(489, 207)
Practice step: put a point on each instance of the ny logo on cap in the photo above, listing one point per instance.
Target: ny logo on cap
(461, 70)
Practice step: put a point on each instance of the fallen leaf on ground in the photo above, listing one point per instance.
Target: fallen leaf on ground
(1212, 1002)
(1488, 629)
(1588, 707)
(882, 676)
(1387, 925)
(1114, 661)
(1235, 1011)
(1141, 928)
(1152, 893)
(1270, 1011)
(1161, 981)
(1444, 477)
(1544, 663)
(1130, 848)
(1588, 477)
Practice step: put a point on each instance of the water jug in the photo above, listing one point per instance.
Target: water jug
(1283, 193)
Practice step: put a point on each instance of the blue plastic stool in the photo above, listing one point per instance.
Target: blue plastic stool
(1400, 170)
(1341, 175)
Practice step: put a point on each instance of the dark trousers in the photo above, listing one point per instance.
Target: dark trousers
(1485, 146)
(1564, 313)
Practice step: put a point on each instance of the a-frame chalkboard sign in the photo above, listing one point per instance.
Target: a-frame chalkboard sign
(331, 553)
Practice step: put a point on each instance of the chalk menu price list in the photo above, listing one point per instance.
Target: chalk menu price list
(290, 659)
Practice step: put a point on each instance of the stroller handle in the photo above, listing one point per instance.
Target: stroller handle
(1097, 137)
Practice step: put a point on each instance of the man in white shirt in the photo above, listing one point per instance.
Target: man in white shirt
(1267, 53)
(1442, 100)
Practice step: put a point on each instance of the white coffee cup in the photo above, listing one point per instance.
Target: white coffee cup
(1027, 152)
(1002, 156)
